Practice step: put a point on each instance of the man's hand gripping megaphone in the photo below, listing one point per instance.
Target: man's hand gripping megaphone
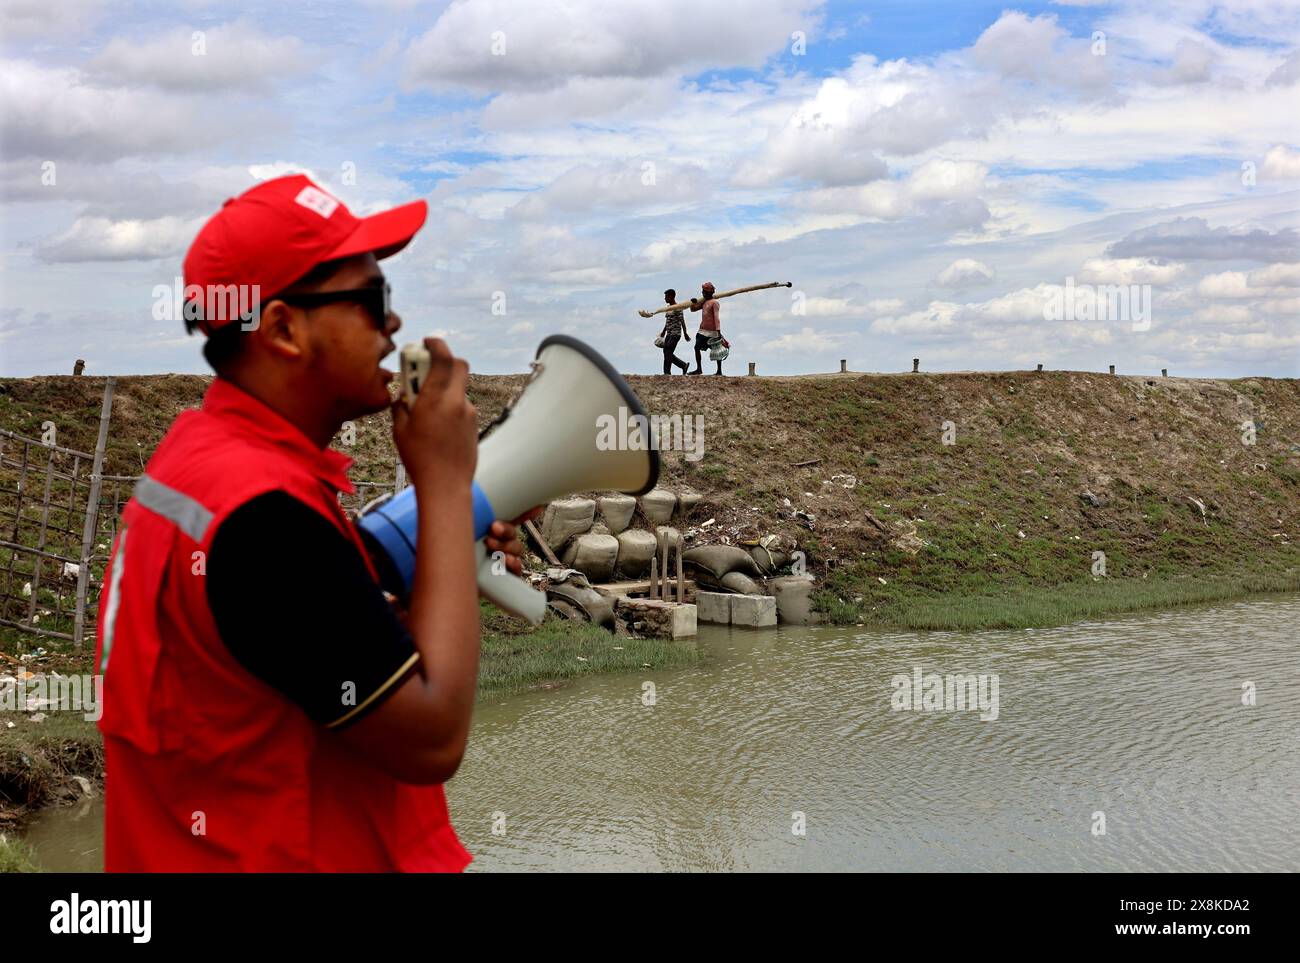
(436, 431)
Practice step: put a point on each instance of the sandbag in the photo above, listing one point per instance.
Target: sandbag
(599, 609)
(617, 511)
(741, 583)
(593, 555)
(635, 549)
(718, 560)
(686, 500)
(658, 505)
(768, 561)
(565, 518)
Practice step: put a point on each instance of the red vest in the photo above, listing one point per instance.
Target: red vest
(207, 768)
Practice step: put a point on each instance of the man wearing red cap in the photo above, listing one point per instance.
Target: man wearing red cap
(710, 324)
(265, 708)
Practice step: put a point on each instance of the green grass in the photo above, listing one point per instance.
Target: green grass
(556, 650)
(1024, 606)
(16, 856)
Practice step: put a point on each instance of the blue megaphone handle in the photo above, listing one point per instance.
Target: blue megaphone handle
(394, 524)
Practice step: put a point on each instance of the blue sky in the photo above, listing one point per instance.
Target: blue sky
(928, 175)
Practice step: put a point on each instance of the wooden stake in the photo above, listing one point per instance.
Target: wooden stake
(681, 582)
(536, 536)
(92, 511)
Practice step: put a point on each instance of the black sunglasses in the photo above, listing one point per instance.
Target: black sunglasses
(376, 300)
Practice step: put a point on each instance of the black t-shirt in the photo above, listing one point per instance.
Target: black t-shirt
(296, 606)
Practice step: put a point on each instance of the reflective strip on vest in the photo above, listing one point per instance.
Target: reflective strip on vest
(114, 599)
(177, 507)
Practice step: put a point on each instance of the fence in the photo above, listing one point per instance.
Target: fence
(58, 519)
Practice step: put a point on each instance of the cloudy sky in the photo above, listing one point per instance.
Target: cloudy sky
(929, 175)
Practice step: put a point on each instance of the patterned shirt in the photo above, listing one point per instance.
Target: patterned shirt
(673, 323)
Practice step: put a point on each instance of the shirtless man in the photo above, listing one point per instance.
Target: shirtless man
(710, 324)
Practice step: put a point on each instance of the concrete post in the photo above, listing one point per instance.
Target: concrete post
(844, 366)
(916, 365)
(752, 366)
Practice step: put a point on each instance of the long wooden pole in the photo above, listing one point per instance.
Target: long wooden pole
(684, 305)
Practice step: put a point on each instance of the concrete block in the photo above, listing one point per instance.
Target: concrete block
(714, 607)
(657, 618)
(793, 594)
(753, 610)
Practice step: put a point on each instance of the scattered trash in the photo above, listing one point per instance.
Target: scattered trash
(27, 590)
(582, 658)
(881, 580)
(86, 788)
(1019, 533)
(37, 716)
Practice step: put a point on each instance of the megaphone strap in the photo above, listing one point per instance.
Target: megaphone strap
(535, 369)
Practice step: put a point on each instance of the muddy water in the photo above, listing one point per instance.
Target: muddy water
(783, 751)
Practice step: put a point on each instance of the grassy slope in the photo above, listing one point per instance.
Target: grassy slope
(1027, 446)
(993, 531)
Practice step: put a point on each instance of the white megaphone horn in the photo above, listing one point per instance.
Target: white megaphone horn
(546, 445)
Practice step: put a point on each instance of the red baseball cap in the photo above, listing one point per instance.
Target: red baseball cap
(275, 232)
